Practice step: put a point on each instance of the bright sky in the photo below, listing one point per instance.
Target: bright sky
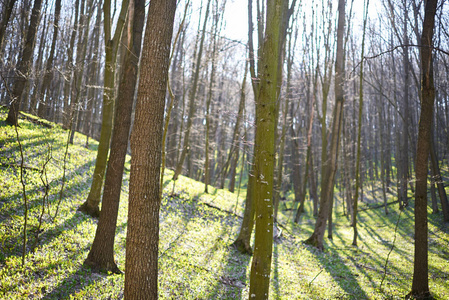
(236, 18)
(236, 15)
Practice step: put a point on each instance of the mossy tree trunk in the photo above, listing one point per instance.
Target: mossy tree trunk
(266, 115)
(146, 144)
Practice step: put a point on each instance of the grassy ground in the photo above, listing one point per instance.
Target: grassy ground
(195, 259)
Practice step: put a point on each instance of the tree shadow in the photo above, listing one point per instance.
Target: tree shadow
(342, 275)
(73, 283)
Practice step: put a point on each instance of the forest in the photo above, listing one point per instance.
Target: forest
(224, 149)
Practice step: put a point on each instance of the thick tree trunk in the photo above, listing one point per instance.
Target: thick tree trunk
(24, 64)
(243, 241)
(420, 285)
(146, 143)
(101, 255)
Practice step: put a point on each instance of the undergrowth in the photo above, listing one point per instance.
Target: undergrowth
(196, 260)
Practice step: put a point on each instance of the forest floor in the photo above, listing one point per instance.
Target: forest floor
(196, 260)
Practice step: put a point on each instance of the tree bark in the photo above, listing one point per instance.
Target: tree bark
(101, 255)
(146, 145)
(359, 129)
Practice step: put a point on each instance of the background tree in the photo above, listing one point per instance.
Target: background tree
(24, 65)
(328, 176)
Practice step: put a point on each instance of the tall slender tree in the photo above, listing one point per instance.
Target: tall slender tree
(48, 75)
(420, 285)
(359, 128)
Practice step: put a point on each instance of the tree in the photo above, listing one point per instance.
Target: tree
(146, 145)
(420, 285)
(91, 205)
(192, 98)
(328, 174)
(101, 254)
(265, 149)
(359, 129)
(24, 65)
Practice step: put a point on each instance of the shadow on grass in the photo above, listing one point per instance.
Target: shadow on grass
(73, 283)
(232, 280)
(342, 275)
(37, 201)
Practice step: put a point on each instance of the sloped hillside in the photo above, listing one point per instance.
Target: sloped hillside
(195, 257)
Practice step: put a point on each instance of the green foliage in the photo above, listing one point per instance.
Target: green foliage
(196, 229)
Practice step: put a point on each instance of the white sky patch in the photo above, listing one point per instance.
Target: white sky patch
(236, 18)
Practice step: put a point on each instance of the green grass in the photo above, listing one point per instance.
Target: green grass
(196, 229)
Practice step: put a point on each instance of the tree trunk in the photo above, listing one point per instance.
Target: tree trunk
(91, 205)
(101, 255)
(146, 143)
(359, 133)
(420, 285)
(24, 64)
(66, 118)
